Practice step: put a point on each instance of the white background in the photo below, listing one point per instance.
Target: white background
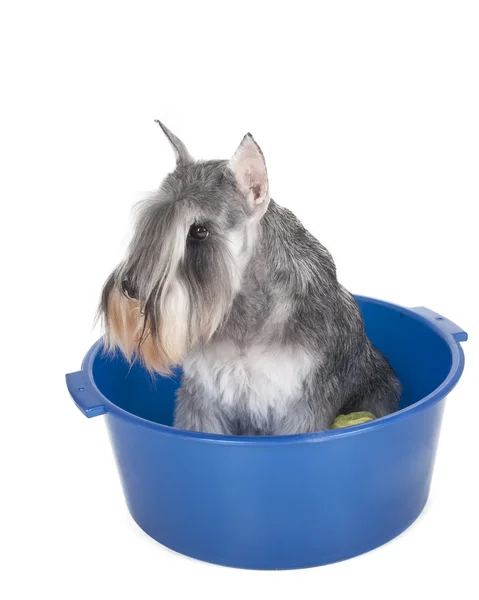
(367, 113)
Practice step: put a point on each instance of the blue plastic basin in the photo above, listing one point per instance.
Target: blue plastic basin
(280, 502)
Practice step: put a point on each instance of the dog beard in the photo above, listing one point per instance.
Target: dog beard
(161, 331)
(158, 346)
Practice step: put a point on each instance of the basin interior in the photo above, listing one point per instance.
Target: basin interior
(420, 357)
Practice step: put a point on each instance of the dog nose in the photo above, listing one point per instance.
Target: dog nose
(129, 289)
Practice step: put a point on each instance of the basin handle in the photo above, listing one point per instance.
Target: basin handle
(442, 323)
(86, 397)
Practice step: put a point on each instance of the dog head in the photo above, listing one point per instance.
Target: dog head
(192, 241)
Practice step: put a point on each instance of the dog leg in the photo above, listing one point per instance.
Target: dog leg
(196, 414)
(381, 399)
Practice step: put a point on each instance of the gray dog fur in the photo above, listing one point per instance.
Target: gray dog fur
(269, 341)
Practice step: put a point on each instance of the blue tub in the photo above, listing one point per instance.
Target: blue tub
(280, 502)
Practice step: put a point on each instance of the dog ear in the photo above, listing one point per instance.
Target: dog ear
(182, 154)
(249, 168)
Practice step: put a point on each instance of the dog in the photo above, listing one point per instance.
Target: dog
(221, 280)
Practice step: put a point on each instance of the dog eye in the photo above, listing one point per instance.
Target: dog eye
(198, 232)
(129, 290)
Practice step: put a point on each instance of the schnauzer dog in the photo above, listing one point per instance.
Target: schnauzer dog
(221, 280)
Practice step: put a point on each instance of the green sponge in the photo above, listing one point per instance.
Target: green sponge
(354, 418)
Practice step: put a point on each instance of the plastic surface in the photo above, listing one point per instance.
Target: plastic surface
(287, 501)
(84, 394)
